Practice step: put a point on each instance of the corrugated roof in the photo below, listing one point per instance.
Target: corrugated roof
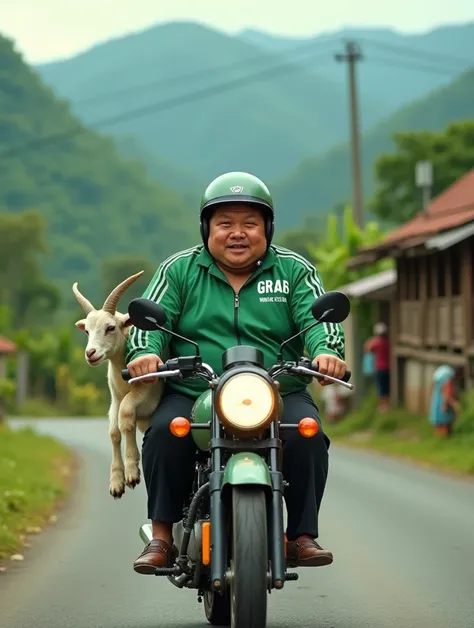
(459, 195)
(452, 208)
(450, 238)
(424, 226)
(373, 283)
(7, 346)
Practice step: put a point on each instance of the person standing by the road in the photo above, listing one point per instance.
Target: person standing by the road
(444, 402)
(379, 346)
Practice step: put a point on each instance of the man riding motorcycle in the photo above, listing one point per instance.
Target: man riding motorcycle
(235, 288)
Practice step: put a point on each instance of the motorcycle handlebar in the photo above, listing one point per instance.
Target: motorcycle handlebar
(162, 368)
(127, 376)
(345, 378)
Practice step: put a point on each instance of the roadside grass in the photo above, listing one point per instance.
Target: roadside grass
(410, 436)
(38, 408)
(35, 474)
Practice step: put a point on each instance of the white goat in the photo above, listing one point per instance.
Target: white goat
(130, 405)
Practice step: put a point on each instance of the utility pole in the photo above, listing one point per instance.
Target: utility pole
(351, 56)
(424, 181)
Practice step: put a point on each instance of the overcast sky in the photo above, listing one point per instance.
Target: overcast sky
(52, 29)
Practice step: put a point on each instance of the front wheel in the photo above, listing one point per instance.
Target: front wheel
(249, 563)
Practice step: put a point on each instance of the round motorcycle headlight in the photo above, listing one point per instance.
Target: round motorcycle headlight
(246, 403)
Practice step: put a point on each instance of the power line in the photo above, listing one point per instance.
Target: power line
(171, 80)
(202, 93)
(301, 48)
(413, 51)
(413, 65)
(156, 107)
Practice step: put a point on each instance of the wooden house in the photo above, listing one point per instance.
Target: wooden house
(431, 308)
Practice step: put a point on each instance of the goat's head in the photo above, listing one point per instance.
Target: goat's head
(107, 329)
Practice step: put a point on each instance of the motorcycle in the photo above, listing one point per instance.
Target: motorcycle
(231, 541)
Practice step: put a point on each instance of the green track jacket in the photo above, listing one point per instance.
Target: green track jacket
(273, 304)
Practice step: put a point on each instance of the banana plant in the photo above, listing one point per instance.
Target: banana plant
(338, 245)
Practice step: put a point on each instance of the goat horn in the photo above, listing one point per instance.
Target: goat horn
(81, 299)
(110, 303)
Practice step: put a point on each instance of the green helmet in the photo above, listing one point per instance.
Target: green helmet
(237, 187)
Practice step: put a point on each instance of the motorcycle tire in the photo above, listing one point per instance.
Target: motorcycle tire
(249, 561)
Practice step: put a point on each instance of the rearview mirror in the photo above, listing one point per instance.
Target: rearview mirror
(331, 307)
(146, 314)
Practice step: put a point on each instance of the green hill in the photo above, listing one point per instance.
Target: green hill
(266, 126)
(96, 202)
(318, 183)
(166, 173)
(396, 68)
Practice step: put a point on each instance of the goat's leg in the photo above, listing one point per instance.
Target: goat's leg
(128, 427)
(117, 470)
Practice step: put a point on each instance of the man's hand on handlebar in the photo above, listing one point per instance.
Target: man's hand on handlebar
(330, 365)
(144, 364)
(192, 366)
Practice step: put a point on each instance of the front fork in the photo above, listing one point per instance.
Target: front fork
(276, 536)
(219, 520)
(217, 510)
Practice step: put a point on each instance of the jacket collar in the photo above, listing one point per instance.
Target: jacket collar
(207, 261)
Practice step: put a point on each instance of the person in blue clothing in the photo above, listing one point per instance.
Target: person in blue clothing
(444, 402)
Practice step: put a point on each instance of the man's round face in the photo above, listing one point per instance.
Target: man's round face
(237, 235)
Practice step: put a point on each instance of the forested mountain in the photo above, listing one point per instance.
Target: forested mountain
(185, 92)
(396, 67)
(177, 97)
(95, 202)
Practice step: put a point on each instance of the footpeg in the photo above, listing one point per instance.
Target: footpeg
(291, 576)
(167, 571)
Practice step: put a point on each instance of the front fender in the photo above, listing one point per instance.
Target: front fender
(246, 468)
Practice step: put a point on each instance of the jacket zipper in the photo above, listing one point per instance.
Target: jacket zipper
(236, 311)
(236, 317)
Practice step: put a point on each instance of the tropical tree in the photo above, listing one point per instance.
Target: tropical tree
(451, 152)
(342, 240)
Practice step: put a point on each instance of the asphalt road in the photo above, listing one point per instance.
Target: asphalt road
(402, 537)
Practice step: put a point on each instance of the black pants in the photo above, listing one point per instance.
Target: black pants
(169, 462)
(382, 381)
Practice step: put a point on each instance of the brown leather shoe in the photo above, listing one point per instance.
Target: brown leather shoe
(156, 554)
(306, 552)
